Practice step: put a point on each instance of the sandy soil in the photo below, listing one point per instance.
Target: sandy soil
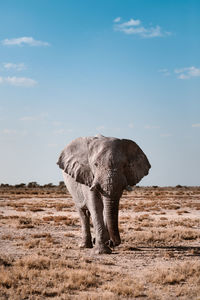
(159, 257)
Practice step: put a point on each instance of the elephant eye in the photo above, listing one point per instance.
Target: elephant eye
(96, 164)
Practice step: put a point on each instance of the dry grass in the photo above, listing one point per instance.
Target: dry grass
(158, 257)
(165, 237)
(61, 219)
(45, 277)
(179, 273)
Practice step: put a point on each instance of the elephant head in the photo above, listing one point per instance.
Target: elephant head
(107, 166)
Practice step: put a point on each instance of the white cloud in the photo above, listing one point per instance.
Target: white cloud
(183, 76)
(118, 19)
(130, 23)
(196, 125)
(187, 73)
(165, 72)
(24, 41)
(11, 66)
(134, 27)
(13, 132)
(40, 117)
(18, 81)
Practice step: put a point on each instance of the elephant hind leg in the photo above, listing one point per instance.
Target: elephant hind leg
(85, 224)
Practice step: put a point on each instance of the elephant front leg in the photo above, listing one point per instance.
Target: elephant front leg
(85, 225)
(101, 234)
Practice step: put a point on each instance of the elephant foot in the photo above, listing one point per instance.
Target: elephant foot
(86, 244)
(110, 244)
(116, 241)
(101, 249)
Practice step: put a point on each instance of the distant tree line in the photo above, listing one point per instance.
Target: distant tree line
(34, 184)
(61, 185)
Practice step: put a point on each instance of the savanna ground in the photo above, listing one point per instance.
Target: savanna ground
(159, 257)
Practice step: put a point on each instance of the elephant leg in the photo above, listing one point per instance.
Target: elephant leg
(106, 235)
(85, 225)
(95, 206)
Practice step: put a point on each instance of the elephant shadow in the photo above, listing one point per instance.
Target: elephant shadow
(184, 250)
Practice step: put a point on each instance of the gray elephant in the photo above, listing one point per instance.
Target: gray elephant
(96, 170)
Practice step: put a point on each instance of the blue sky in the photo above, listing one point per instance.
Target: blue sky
(128, 69)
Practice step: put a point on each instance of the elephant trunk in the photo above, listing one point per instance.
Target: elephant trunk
(110, 190)
(111, 219)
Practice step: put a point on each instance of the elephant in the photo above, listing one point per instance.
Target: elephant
(96, 170)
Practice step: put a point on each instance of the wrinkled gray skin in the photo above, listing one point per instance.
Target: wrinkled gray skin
(96, 170)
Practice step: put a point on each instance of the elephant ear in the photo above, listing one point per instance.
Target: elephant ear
(74, 161)
(137, 163)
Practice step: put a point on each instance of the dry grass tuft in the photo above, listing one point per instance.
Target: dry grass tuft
(25, 222)
(34, 262)
(126, 288)
(179, 273)
(61, 219)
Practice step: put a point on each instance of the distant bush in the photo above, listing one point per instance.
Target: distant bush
(33, 184)
(61, 184)
(48, 185)
(178, 186)
(5, 185)
(21, 185)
